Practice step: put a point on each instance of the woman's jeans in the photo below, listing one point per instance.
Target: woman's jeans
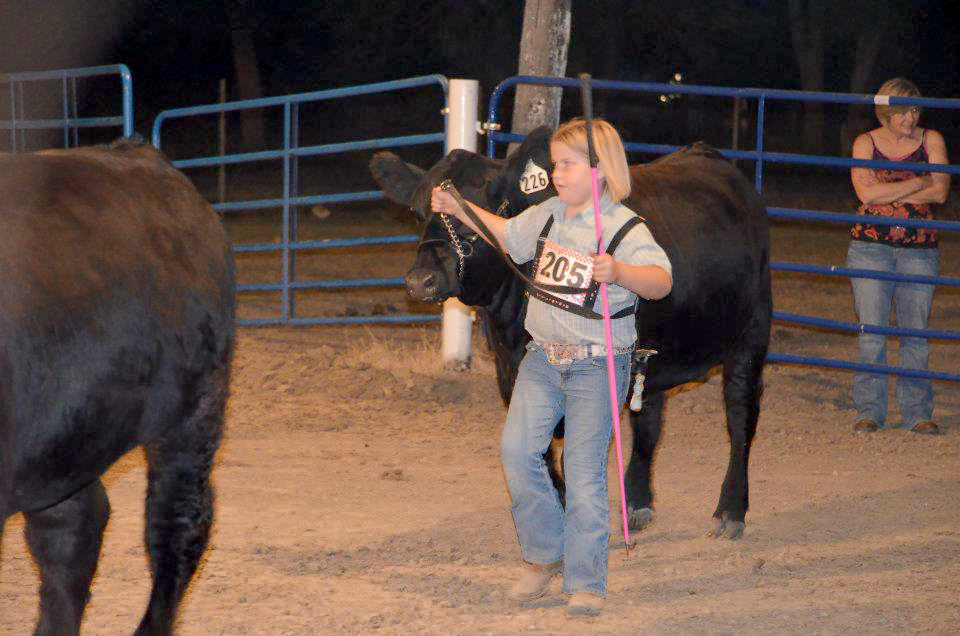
(873, 299)
(544, 393)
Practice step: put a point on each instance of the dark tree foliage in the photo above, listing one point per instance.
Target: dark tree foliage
(178, 50)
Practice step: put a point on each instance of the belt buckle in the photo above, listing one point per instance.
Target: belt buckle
(560, 354)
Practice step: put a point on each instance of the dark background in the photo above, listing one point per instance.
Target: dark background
(178, 51)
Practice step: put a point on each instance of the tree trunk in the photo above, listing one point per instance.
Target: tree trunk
(246, 68)
(543, 51)
(808, 24)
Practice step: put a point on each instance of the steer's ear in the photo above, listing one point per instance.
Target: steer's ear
(537, 143)
(397, 178)
(525, 179)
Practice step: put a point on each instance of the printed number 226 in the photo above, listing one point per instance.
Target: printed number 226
(529, 182)
(558, 267)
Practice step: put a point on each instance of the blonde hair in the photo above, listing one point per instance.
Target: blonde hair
(896, 87)
(611, 157)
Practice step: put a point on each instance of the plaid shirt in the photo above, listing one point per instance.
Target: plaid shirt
(548, 324)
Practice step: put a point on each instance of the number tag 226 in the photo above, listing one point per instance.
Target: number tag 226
(559, 265)
(533, 179)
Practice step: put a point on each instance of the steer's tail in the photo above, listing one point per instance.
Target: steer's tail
(180, 501)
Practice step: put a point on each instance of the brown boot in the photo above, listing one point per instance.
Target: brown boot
(865, 426)
(534, 582)
(926, 428)
(585, 604)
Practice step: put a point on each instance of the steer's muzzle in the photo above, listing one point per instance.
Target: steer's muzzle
(424, 285)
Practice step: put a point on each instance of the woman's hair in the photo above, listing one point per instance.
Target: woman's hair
(611, 156)
(896, 87)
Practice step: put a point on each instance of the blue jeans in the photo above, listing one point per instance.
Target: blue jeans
(578, 536)
(873, 299)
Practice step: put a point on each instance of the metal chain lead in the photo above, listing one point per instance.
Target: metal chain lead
(457, 246)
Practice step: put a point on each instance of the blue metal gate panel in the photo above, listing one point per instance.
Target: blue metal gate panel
(290, 151)
(70, 121)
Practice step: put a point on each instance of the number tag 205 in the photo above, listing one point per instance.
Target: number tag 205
(558, 265)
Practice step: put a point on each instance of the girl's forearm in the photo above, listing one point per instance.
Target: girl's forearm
(647, 281)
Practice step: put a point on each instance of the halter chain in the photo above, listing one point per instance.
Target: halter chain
(457, 245)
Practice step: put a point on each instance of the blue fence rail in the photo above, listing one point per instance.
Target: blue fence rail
(20, 121)
(761, 157)
(288, 154)
(762, 95)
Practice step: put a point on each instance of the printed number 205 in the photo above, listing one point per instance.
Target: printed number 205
(560, 270)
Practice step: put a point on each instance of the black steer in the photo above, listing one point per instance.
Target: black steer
(116, 331)
(713, 226)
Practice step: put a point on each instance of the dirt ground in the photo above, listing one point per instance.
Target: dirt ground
(359, 490)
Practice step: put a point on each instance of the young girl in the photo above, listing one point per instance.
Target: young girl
(564, 372)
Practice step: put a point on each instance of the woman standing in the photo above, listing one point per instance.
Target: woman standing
(913, 251)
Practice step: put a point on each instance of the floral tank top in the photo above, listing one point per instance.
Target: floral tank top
(897, 235)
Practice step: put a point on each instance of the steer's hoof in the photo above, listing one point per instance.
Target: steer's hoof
(726, 528)
(639, 518)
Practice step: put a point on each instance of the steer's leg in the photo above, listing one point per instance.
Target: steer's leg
(646, 433)
(64, 539)
(180, 506)
(554, 461)
(742, 386)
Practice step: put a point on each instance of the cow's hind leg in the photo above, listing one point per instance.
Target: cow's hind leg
(742, 387)
(179, 508)
(646, 426)
(64, 539)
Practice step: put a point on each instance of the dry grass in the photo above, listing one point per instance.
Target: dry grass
(421, 356)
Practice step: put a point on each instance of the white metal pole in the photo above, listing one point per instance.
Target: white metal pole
(457, 321)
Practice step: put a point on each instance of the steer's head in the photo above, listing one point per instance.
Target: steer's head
(506, 187)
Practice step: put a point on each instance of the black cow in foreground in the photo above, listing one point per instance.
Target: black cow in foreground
(713, 226)
(116, 331)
